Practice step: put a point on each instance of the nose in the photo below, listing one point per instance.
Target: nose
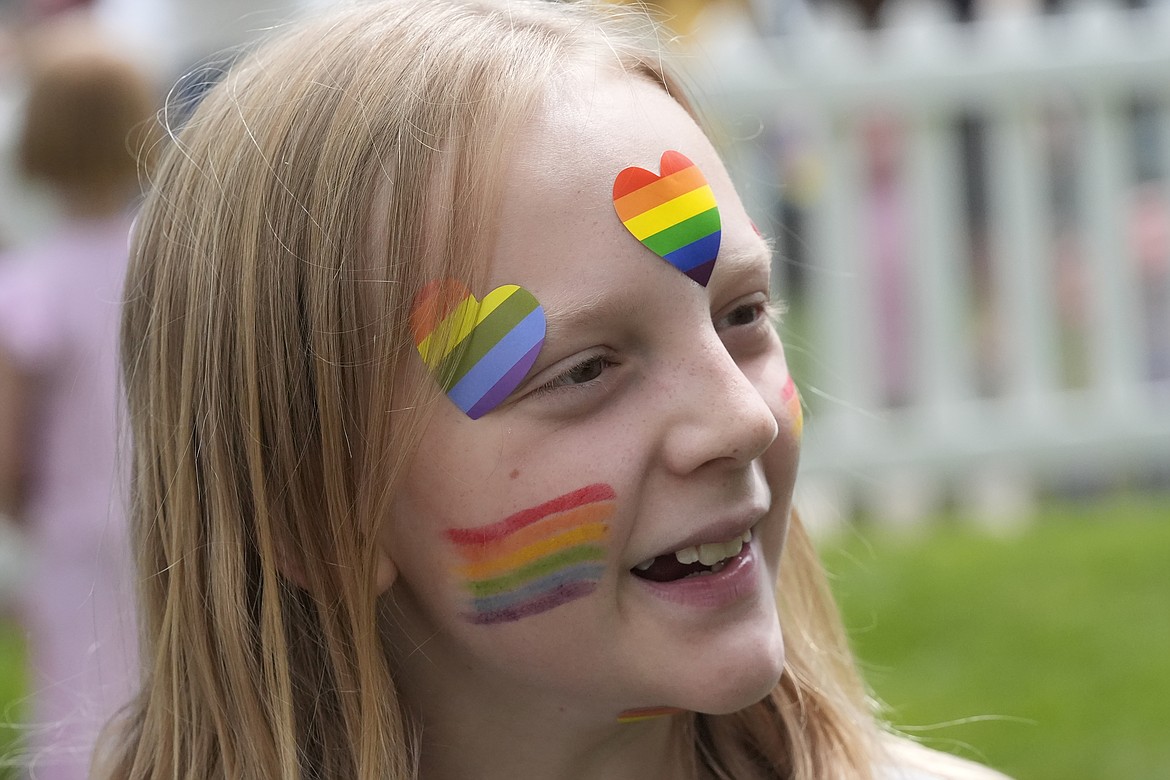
(718, 417)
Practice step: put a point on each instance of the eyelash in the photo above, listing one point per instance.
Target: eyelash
(765, 310)
(563, 380)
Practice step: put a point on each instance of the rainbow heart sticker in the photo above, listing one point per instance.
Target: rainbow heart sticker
(673, 214)
(478, 351)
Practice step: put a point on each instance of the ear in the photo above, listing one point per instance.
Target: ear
(385, 570)
(385, 574)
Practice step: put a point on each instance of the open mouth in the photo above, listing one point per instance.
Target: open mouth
(698, 561)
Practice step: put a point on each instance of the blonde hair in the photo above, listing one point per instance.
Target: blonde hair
(274, 397)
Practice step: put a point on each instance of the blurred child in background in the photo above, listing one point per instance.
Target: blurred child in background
(59, 303)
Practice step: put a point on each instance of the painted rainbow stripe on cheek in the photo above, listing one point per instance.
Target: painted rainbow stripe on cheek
(477, 351)
(791, 397)
(673, 214)
(536, 559)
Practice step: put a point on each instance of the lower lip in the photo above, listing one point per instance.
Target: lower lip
(735, 581)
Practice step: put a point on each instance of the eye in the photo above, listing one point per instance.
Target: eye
(744, 314)
(588, 370)
(754, 310)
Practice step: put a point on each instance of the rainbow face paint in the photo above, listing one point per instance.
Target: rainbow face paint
(673, 214)
(791, 397)
(478, 351)
(536, 559)
(647, 713)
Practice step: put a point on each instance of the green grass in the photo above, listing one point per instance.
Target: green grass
(12, 693)
(1046, 655)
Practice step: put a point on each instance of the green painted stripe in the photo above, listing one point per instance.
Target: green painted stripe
(537, 568)
(688, 231)
(484, 336)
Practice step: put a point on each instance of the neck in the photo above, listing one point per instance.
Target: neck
(509, 744)
(488, 726)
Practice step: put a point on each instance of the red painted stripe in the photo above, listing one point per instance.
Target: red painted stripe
(433, 303)
(526, 517)
(632, 179)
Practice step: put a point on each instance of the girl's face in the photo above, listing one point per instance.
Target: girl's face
(656, 425)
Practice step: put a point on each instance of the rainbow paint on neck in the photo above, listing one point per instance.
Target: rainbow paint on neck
(647, 713)
(536, 559)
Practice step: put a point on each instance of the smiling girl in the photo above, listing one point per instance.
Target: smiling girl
(464, 444)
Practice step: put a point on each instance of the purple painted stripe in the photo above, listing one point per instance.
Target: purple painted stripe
(562, 595)
(696, 253)
(582, 572)
(508, 382)
(702, 273)
(513, 352)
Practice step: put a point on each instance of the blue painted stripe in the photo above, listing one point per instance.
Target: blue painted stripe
(499, 360)
(696, 253)
(549, 582)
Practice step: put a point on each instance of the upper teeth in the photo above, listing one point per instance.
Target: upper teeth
(707, 554)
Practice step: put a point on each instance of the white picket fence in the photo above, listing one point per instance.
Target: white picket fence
(1011, 71)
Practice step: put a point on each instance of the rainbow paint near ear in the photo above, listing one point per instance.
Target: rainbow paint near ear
(673, 213)
(478, 351)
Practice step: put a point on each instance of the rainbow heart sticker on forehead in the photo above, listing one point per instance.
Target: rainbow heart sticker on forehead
(478, 351)
(673, 213)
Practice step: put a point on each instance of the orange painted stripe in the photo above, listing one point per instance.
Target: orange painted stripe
(485, 534)
(646, 713)
(593, 532)
(652, 195)
(589, 513)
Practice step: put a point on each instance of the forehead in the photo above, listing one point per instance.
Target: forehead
(557, 200)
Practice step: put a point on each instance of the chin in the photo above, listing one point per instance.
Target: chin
(744, 678)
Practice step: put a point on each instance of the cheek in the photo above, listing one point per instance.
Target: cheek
(779, 391)
(534, 560)
(790, 398)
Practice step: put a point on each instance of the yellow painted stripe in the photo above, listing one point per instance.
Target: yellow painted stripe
(462, 321)
(447, 334)
(633, 716)
(492, 300)
(550, 526)
(650, 195)
(593, 532)
(672, 212)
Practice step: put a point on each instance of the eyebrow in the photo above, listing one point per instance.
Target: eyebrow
(743, 261)
(591, 305)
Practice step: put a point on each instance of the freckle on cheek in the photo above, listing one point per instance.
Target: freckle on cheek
(515, 473)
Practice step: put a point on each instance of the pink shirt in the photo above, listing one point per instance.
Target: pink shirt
(59, 312)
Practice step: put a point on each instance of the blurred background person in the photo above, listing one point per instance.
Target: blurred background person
(84, 124)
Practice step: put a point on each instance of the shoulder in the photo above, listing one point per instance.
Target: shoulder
(908, 760)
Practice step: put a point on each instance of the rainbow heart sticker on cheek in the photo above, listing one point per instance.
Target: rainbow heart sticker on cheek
(674, 213)
(478, 351)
